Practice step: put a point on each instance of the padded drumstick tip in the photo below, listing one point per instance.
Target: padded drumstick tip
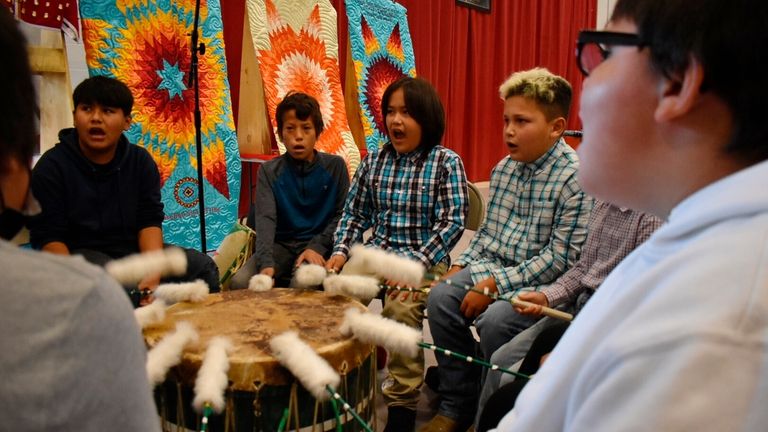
(151, 313)
(133, 268)
(363, 288)
(378, 330)
(388, 265)
(195, 291)
(314, 373)
(167, 353)
(212, 379)
(260, 283)
(309, 275)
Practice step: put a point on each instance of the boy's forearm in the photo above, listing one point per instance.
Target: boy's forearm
(150, 239)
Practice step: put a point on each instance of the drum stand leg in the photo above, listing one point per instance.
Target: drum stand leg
(293, 407)
(229, 418)
(179, 407)
(256, 406)
(344, 387)
(374, 386)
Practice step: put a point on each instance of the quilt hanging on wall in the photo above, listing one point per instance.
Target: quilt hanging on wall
(297, 48)
(146, 44)
(382, 53)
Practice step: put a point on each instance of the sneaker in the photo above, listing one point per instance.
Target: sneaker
(400, 419)
(387, 383)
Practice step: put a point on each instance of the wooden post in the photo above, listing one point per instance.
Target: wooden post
(352, 102)
(49, 60)
(254, 131)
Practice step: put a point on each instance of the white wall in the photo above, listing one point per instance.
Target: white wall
(604, 9)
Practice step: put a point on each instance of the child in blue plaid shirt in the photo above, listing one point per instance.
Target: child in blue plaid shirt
(413, 194)
(535, 226)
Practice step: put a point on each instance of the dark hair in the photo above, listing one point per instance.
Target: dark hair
(19, 110)
(305, 106)
(423, 104)
(104, 91)
(728, 38)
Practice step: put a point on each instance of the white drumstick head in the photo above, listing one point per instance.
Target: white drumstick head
(133, 268)
(167, 353)
(305, 364)
(363, 288)
(309, 275)
(150, 314)
(377, 330)
(388, 265)
(195, 291)
(212, 382)
(260, 283)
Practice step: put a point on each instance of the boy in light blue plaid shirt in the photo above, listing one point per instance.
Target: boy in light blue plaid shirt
(535, 225)
(412, 193)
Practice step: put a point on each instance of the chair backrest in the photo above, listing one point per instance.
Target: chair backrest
(476, 208)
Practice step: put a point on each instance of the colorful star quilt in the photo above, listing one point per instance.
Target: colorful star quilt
(297, 49)
(146, 44)
(382, 52)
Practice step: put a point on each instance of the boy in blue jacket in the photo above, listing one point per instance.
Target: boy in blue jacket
(299, 197)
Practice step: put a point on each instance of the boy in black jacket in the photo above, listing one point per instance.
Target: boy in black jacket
(100, 194)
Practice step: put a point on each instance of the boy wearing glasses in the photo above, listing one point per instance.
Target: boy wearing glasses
(675, 338)
(535, 226)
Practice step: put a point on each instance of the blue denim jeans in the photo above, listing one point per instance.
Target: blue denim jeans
(509, 357)
(459, 380)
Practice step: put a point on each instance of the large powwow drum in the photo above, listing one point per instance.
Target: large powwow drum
(260, 389)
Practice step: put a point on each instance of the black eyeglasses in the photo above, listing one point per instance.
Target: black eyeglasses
(593, 47)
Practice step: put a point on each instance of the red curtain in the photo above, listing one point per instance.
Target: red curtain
(466, 54)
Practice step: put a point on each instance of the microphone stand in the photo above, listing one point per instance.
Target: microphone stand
(193, 81)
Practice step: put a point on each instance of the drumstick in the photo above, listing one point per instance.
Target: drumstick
(150, 314)
(387, 265)
(211, 381)
(133, 268)
(348, 408)
(547, 311)
(314, 373)
(398, 337)
(309, 275)
(167, 352)
(195, 291)
(378, 330)
(207, 413)
(363, 288)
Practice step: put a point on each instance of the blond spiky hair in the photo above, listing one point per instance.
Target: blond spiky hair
(550, 91)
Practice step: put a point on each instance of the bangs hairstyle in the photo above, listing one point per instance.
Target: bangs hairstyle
(305, 106)
(423, 104)
(729, 40)
(18, 112)
(104, 91)
(551, 93)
